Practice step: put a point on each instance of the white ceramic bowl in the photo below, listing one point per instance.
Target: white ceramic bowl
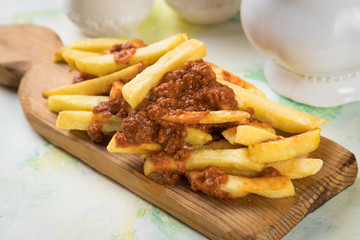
(205, 12)
(107, 18)
(314, 46)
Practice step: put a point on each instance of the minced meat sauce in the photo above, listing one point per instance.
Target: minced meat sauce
(209, 182)
(83, 76)
(123, 51)
(95, 133)
(192, 87)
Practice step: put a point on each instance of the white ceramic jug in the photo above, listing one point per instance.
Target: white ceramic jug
(312, 46)
(107, 18)
(205, 12)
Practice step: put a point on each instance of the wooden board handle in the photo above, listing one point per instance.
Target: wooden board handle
(22, 48)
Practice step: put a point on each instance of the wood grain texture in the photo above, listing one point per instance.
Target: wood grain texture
(251, 217)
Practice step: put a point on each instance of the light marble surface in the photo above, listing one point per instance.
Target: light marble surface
(45, 193)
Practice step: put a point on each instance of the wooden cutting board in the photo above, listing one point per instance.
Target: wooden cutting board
(26, 54)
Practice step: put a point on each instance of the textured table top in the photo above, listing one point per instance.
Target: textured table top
(46, 193)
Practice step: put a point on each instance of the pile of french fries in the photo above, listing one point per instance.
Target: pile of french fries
(243, 154)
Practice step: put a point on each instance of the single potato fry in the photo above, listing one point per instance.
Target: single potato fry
(196, 136)
(105, 64)
(132, 148)
(81, 120)
(137, 89)
(167, 165)
(298, 167)
(285, 148)
(213, 145)
(96, 45)
(230, 186)
(271, 187)
(230, 135)
(278, 115)
(228, 160)
(263, 126)
(208, 117)
(116, 89)
(222, 74)
(96, 86)
(58, 103)
(71, 55)
(247, 135)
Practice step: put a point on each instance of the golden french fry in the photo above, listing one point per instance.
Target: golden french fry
(196, 136)
(144, 156)
(167, 164)
(105, 64)
(247, 135)
(226, 159)
(271, 187)
(285, 148)
(250, 134)
(132, 148)
(71, 55)
(298, 167)
(137, 89)
(268, 111)
(88, 44)
(222, 74)
(96, 86)
(81, 120)
(155, 147)
(58, 103)
(263, 126)
(213, 145)
(116, 89)
(229, 160)
(230, 186)
(230, 135)
(208, 117)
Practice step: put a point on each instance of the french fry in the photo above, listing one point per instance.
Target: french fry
(298, 167)
(226, 159)
(137, 89)
(285, 148)
(116, 89)
(71, 55)
(271, 187)
(81, 120)
(105, 64)
(230, 135)
(238, 186)
(278, 115)
(229, 160)
(294, 168)
(132, 148)
(222, 74)
(196, 136)
(263, 126)
(58, 103)
(213, 145)
(167, 164)
(208, 117)
(96, 86)
(88, 44)
(247, 135)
